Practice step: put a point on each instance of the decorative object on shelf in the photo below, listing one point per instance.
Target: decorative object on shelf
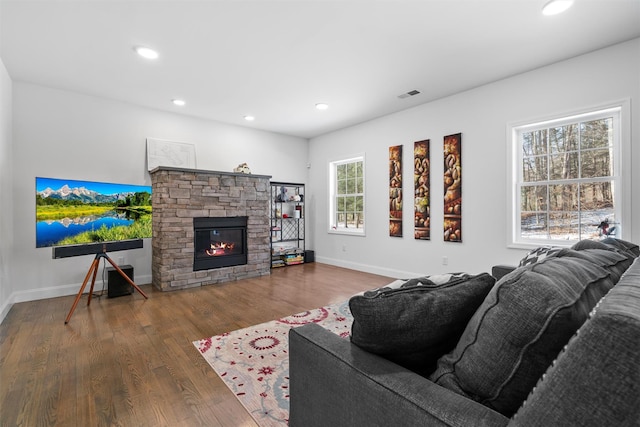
(453, 188)
(422, 189)
(282, 197)
(242, 168)
(395, 191)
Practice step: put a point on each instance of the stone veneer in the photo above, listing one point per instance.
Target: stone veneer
(178, 196)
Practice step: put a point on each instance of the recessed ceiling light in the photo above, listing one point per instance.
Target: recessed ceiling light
(178, 102)
(322, 106)
(249, 118)
(146, 52)
(555, 7)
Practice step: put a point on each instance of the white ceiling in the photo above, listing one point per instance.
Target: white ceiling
(275, 59)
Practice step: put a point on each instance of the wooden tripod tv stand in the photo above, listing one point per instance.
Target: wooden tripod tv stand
(93, 271)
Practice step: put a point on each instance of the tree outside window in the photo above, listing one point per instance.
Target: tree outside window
(566, 180)
(347, 196)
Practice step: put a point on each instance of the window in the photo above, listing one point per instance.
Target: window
(567, 179)
(346, 205)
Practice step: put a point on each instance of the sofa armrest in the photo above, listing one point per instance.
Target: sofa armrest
(335, 383)
(498, 271)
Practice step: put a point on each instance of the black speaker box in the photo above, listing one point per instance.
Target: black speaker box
(117, 286)
(309, 256)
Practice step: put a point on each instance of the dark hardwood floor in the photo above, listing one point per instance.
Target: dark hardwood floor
(127, 361)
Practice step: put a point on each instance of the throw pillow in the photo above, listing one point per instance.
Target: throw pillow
(520, 328)
(538, 254)
(413, 323)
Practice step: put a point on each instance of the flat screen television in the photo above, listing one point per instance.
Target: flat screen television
(88, 214)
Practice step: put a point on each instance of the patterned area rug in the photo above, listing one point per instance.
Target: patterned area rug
(254, 362)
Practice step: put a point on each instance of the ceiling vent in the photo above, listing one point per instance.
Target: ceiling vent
(408, 94)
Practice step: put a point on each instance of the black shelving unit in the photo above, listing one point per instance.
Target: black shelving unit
(287, 224)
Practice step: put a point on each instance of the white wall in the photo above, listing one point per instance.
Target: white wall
(482, 116)
(54, 133)
(6, 191)
(60, 134)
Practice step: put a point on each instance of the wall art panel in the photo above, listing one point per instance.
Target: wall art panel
(422, 189)
(395, 191)
(453, 188)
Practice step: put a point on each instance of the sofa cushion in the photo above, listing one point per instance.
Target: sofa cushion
(612, 244)
(591, 244)
(524, 322)
(613, 261)
(622, 245)
(595, 381)
(413, 323)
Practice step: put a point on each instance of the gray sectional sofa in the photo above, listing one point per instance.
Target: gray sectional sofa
(555, 342)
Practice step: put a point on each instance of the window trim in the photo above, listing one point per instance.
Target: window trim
(331, 185)
(621, 163)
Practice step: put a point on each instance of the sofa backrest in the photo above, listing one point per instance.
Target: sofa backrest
(524, 322)
(595, 381)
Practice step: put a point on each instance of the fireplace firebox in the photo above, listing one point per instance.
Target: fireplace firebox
(219, 242)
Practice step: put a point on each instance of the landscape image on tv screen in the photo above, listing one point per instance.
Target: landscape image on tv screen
(70, 212)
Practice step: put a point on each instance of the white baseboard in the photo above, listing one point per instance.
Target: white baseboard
(52, 292)
(6, 306)
(396, 274)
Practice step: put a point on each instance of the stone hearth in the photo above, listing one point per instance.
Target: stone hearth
(178, 196)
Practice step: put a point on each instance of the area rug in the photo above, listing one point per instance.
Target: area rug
(254, 362)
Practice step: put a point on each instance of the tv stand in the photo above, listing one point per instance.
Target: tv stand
(93, 271)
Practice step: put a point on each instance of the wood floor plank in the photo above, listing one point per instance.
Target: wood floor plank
(129, 361)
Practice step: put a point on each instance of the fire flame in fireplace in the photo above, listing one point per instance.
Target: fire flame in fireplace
(219, 248)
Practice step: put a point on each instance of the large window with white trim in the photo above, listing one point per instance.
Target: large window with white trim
(567, 178)
(346, 199)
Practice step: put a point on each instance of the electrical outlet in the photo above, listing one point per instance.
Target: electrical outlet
(445, 260)
(121, 260)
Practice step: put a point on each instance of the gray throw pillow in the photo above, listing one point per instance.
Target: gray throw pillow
(522, 325)
(539, 254)
(415, 322)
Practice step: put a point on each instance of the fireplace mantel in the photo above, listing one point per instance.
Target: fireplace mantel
(208, 172)
(178, 196)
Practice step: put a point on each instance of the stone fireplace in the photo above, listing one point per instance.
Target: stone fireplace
(208, 227)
